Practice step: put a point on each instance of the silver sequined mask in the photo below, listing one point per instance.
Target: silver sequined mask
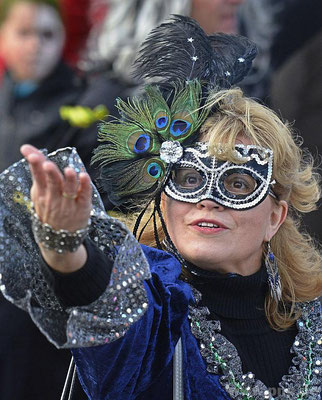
(198, 176)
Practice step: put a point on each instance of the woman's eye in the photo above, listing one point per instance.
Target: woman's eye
(188, 178)
(191, 180)
(240, 184)
(47, 34)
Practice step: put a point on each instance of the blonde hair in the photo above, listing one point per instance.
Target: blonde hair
(298, 258)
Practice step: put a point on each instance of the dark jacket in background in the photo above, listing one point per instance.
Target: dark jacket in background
(31, 368)
(296, 82)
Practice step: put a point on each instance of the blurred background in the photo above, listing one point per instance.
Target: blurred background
(64, 62)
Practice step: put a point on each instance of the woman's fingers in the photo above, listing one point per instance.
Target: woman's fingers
(28, 149)
(85, 189)
(36, 163)
(61, 200)
(54, 180)
(70, 188)
(68, 199)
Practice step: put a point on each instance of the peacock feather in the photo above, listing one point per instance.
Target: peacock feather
(129, 155)
(186, 110)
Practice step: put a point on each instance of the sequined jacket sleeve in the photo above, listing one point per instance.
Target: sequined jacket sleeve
(25, 283)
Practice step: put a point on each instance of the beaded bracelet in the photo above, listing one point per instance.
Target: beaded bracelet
(61, 241)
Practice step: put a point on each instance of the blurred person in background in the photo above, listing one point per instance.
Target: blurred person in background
(258, 20)
(38, 83)
(113, 47)
(35, 85)
(78, 21)
(296, 84)
(216, 15)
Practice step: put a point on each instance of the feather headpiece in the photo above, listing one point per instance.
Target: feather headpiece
(180, 51)
(184, 64)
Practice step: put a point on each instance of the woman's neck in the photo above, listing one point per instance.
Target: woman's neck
(245, 267)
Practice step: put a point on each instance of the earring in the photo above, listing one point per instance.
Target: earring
(274, 280)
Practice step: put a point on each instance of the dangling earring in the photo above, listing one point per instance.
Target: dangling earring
(274, 280)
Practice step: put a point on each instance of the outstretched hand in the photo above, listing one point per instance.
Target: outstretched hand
(61, 200)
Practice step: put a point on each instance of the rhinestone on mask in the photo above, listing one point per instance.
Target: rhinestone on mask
(171, 151)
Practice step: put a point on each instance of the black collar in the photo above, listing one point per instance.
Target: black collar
(232, 295)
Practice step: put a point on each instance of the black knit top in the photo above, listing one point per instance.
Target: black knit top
(238, 303)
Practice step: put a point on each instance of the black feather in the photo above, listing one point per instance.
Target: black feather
(180, 50)
(233, 56)
(167, 53)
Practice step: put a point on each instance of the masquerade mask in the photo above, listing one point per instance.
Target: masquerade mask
(198, 176)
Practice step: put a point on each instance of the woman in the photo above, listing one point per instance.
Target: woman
(223, 191)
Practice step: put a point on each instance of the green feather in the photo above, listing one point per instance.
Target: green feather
(186, 106)
(118, 134)
(124, 180)
(136, 112)
(158, 108)
(130, 151)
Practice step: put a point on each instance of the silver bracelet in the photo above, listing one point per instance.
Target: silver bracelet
(61, 241)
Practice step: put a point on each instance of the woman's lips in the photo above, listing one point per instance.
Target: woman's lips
(208, 226)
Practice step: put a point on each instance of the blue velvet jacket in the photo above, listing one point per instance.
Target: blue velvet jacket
(139, 365)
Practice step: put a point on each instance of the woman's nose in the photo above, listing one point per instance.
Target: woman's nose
(33, 42)
(209, 204)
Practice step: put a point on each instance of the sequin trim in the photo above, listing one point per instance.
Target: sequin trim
(304, 379)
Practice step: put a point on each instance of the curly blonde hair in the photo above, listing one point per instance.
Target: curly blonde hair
(298, 257)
